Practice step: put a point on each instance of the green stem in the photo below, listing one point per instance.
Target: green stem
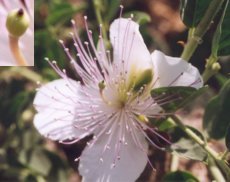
(97, 8)
(190, 48)
(224, 168)
(222, 165)
(27, 73)
(174, 163)
(201, 29)
(225, 154)
(196, 138)
(207, 74)
(217, 175)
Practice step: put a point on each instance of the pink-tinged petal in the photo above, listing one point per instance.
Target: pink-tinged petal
(128, 45)
(173, 71)
(97, 164)
(56, 103)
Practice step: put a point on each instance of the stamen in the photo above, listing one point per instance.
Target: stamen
(121, 10)
(176, 78)
(196, 82)
(77, 159)
(102, 86)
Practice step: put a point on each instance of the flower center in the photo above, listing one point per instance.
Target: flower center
(127, 90)
(139, 79)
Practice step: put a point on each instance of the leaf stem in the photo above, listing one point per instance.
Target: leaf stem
(201, 29)
(174, 163)
(214, 170)
(223, 166)
(27, 73)
(97, 8)
(196, 138)
(225, 154)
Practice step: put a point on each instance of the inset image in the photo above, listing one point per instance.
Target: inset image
(17, 33)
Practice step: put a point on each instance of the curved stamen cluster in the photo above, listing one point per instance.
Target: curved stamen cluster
(107, 91)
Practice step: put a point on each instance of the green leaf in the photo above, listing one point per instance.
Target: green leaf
(227, 138)
(217, 116)
(140, 17)
(164, 124)
(30, 139)
(112, 10)
(221, 79)
(178, 96)
(23, 156)
(192, 11)
(193, 96)
(59, 170)
(63, 12)
(12, 102)
(30, 178)
(51, 49)
(184, 146)
(36, 159)
(218, 32)
(179, 176)
(40, 162)
(224, 42)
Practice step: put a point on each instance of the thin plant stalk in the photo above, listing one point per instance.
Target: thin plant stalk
(201, 29)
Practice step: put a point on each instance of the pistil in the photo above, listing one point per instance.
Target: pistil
(15, 49)
(102, 86)
(17, 23)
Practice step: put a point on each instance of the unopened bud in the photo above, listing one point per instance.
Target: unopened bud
(216, 67)
(17, 22)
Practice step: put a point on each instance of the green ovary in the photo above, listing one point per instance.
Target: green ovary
(17, 22)
(137, 84)
(137, 80)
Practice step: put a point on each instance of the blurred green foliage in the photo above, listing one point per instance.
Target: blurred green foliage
(180, 176)
(193, 11)
(217, 115)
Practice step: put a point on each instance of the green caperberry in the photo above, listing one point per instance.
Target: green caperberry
(17, 22)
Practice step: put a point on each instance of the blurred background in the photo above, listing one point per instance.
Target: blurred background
(27, 156)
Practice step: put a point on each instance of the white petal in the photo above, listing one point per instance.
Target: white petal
(128, 45)
(56, 103)
(172, 71)
(6, 58)
(131, 164)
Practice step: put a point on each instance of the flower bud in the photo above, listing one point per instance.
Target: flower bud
(17, 22)
(216, 67)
